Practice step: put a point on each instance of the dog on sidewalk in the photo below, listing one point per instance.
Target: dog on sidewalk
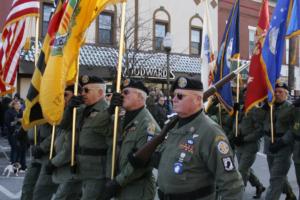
(13, 168)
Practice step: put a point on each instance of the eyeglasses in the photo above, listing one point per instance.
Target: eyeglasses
(108, 95)
(179, 96)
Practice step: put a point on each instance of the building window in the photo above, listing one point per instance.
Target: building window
(195, 43)
(161, 29)
(48, 9)
(105, 33)
(251, 41)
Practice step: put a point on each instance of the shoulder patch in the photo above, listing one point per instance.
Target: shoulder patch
(223, 147)
(151, 128)
(228, 164)
(296, 125)
(219, 138)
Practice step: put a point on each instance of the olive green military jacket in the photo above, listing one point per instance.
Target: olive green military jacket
(136, 183)
(283, 124)
(222, 118)
(251, 129)
(43, 141)
(296, 131)
(198, 155)
(62, 158)
(93, 133)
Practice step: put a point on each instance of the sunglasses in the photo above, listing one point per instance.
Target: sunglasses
(66, 94)
(179, 96)
(87, 90)
(125, 92)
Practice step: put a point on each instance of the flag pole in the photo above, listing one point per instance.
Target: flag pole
(118, 87)
(271, 123)
(237, 99)
(35, 61)
(74, 119)
(52, 142)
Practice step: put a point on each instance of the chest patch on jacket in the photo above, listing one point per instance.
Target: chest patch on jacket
(187, 147)
(93, 114)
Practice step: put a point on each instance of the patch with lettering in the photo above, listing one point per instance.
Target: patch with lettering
(223, 147)
(228, 164)
(178, 168)
(93, 114)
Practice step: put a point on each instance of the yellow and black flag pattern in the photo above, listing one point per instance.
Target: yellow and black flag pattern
(78, 16)
(33, 112)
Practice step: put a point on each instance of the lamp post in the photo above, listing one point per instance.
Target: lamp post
(167, 44)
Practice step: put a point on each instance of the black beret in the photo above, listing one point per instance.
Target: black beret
(137, 84)
(281, 85)
(70, 88)
(187, 83)
(85, 79)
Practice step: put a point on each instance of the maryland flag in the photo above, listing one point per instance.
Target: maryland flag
(77, 18)
(257, 89)
(33, 112)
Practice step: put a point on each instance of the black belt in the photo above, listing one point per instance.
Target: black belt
(91, 151)
(297, 137)
(196, 194)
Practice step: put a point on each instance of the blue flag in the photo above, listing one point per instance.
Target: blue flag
(294, 26)
(274, 43)
(230, 48)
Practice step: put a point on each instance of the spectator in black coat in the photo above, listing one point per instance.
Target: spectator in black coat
(12, 121)
(160, 111)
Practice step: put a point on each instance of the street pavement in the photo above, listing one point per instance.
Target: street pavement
(10, 187)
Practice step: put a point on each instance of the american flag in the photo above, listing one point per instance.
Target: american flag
(16, 30)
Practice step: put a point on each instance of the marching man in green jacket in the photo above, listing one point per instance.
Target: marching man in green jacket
(279, 153)
(194, 156)
(138, 127)
(94, 138)
(59, 165)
